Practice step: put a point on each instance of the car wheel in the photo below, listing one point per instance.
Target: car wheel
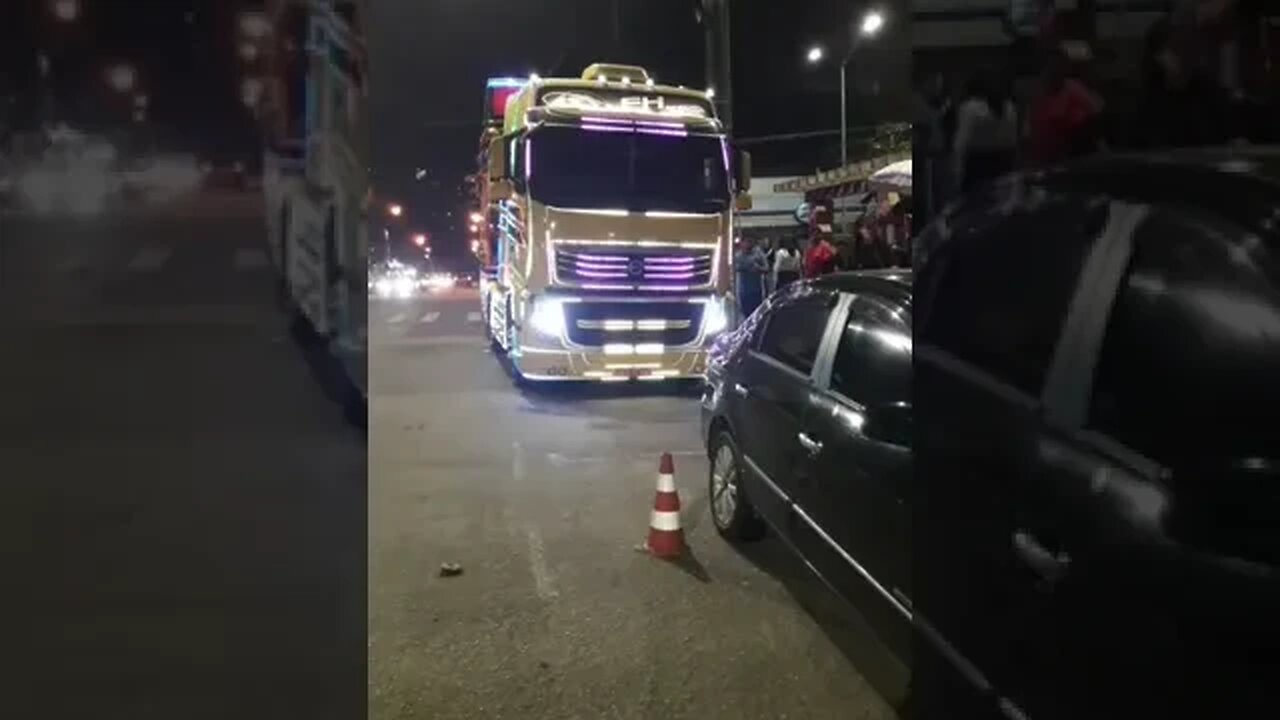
(731, 510)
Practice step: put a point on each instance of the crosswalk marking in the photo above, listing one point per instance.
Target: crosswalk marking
(250, 259)
(149, 259)
(396, 319)
(473, 316)
(430, 317)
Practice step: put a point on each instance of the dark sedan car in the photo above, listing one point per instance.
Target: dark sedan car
(807, 421)
(1096, 512)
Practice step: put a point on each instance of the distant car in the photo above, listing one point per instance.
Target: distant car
(225, 176)
(1098, 436)
(806, 417)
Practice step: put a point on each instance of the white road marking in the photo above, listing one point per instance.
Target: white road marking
(396, 319)
(473, 316)
(149, 259)
(250, 259)
(393, 340)
(430, 317)
(538, 566)
(559, 459)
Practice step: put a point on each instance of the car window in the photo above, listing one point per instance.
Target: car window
(1192, 345)
(872, 365)
(793, 331)
(996, 294)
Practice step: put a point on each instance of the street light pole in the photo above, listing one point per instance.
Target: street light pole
(844, 116)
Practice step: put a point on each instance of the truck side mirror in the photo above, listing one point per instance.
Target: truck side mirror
(500, 189)
(742, 202)
(497, 159)
(742, 174)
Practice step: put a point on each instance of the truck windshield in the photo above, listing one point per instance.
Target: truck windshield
(582, 168)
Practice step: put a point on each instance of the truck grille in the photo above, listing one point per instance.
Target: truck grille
(596, 324)
(642, 267)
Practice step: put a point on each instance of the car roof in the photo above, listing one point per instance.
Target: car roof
(893, 283)
(1238, 183)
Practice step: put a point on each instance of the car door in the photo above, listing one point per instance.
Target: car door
(772, 389)
(1143, 496)
(992, 299)
(860, 432)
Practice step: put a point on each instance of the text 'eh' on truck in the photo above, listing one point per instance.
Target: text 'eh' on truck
(611, 206)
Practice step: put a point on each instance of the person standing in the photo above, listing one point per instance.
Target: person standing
(986, 132)
(1064, 117)
(821, 258)
(750, 265)
(786, 264)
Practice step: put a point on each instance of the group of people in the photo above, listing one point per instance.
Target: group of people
(765, 266)
(1193, 90)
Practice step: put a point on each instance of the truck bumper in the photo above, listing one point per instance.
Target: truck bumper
(594, 365)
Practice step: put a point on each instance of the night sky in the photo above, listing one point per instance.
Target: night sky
(429, 62)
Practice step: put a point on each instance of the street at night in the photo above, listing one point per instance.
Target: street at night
(177, 482)
(542, 497)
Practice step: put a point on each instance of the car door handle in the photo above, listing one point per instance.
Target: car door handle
(741, 390)
(812, 446)
(1050, 566)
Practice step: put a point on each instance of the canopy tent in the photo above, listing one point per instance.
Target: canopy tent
(895, 177)
(842, 182)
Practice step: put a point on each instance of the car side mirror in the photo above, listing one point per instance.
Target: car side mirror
(742, 174)
(888, 423)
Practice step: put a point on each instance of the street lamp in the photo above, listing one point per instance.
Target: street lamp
(477, 217)
(254, 25)
(251, 90)
(122, 77)
(420, 239)
(66, 11)
(870, 25)
(395, 210)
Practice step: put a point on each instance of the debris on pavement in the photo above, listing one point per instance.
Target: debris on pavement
(450, 569)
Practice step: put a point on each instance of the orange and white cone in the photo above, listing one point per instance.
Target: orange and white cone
(666, 539)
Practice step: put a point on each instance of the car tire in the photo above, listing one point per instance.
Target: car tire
(737, 520)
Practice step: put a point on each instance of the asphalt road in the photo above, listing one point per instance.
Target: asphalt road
(542, 498)
(182, 511)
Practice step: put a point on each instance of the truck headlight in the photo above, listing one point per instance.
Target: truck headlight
(714, 317)
(548, 317)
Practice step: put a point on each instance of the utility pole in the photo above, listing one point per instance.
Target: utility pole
(715, 20)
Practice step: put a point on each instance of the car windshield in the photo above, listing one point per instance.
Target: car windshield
(622, 169)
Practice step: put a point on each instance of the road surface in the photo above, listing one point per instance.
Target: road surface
(542, 499)
(182, 509)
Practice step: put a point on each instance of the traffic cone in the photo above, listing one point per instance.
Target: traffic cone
(666, 539)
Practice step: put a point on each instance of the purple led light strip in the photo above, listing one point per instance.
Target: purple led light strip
(671, 260)
(600, 275)
(646, 131)
(624, 121)
(602, 258)
(589, 265)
